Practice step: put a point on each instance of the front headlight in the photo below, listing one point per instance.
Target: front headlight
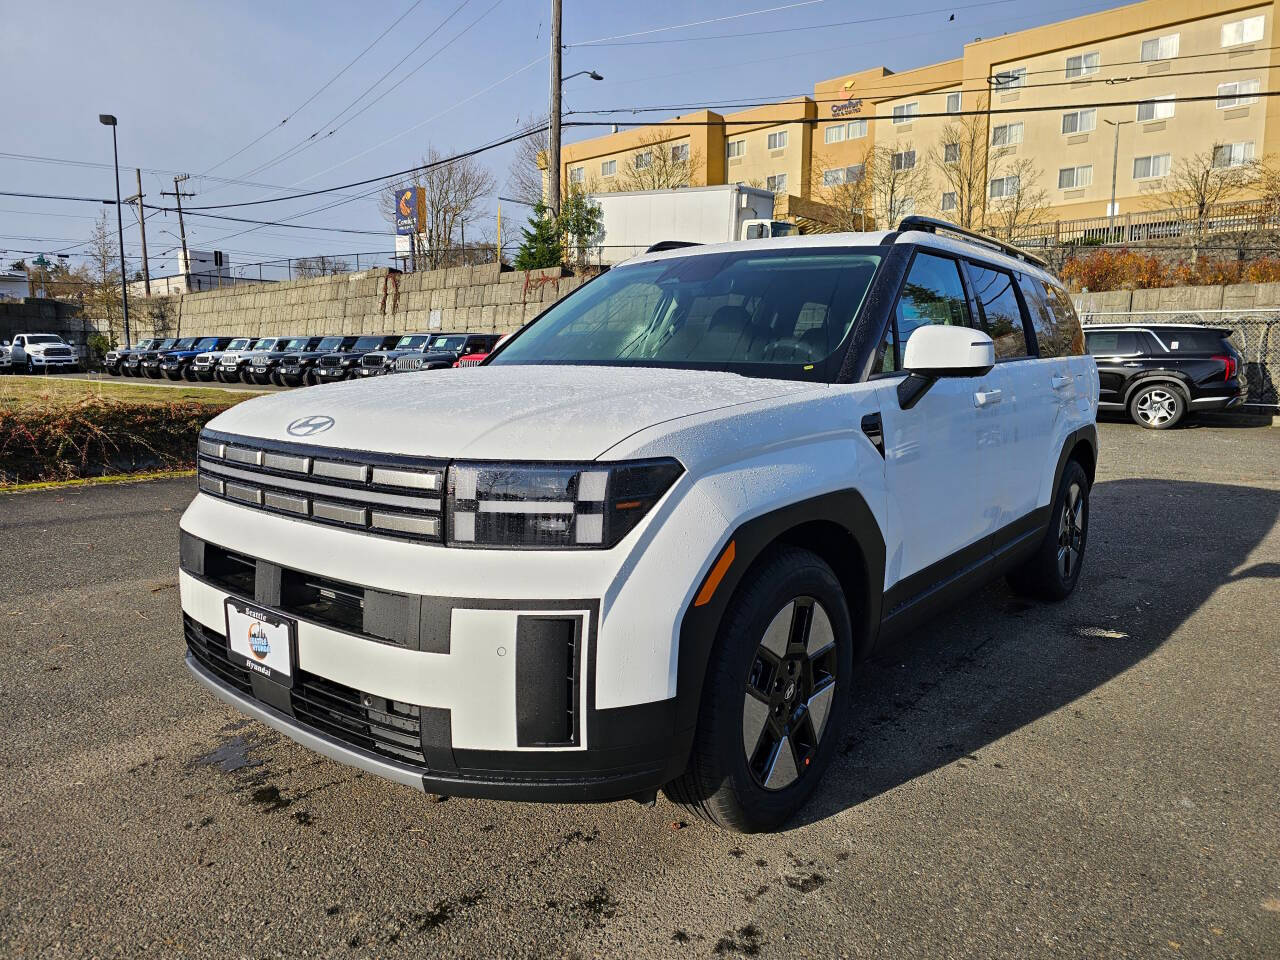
(532, 506)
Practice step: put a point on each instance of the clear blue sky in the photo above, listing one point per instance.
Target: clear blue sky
(194, 83)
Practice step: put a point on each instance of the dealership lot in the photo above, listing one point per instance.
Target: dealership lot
(1019, 780)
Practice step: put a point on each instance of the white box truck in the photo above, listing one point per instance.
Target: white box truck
(632, 222)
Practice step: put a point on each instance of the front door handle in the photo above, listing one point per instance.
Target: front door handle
(988, 398)
(1060, 383)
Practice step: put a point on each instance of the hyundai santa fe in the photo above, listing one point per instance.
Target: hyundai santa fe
(648, 542)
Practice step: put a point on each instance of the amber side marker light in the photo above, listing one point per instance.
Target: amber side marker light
(718, 570)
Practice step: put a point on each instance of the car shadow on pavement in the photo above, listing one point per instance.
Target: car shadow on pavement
(999, 662)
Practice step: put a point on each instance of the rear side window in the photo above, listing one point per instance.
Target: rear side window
(1001, 314)
(1056, 332)
(1193, 341)
(1065, 313)
(1113, 343)
(933, 294)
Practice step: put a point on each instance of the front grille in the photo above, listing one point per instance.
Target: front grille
(58, 352)
(406, 364)
(470, 361)
(372, 360)
(361, 720)
(331, 361)
(372, 493)
(211, 650)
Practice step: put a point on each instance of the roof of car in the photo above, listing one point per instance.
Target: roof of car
(869, 239)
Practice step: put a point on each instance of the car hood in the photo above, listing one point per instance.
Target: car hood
(499, 413)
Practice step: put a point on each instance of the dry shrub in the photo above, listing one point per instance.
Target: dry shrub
(97, 436)
(1125, 269)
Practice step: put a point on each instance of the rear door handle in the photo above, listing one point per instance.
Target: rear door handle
(987, 398)
(1061, 382)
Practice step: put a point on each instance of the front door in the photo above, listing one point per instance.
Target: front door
(1118, 354)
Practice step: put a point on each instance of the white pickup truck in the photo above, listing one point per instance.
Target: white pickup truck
(42, 353)
(646, 543)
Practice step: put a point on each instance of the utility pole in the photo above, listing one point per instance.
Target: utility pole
(142, 226)
(553, 164)
(1115, 162)
(182, 227)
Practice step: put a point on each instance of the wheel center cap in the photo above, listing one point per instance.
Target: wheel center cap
(791, 691)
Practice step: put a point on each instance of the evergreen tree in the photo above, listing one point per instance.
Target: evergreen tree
(541, 244)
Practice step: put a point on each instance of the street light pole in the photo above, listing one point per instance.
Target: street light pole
(1115, 162)
(107, 120)
(553, 151)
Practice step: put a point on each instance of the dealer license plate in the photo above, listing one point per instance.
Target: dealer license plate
(263, 639)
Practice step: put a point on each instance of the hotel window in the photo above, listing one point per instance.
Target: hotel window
(949, 202)
(854, 173)
(1002, 187)
(1232, 154)
(1010, 79)
(643, 161)
(777, 183)
(833, 178)
(1161, 108)
(609, 168)
(1247, 30)
(906, 160)
(1072, 178)
(577, 174)
(778, 141)
(1079, 121)
(906, 207)
(1160, 48)
(953, 102)
(951, 153)
(680, 153)
(1083, 65)
(834, 133)
(1147, 168)
(857, 128)
(1006, 134)
(1239, 93)
(735, 148)
(905, 112)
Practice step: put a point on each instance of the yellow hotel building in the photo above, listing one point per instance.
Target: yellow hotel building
(1061, 87)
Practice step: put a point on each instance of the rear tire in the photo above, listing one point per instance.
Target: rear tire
(775, 696)
(1157, 407)
(1051, 573)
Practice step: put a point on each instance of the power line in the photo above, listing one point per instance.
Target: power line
(328, 83)
(694, 23)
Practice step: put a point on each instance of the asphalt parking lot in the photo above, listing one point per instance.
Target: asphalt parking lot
(1096, 778)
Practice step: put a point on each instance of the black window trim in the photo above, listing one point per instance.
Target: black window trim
(1028, 329)
(891, 320)
(1133, 330)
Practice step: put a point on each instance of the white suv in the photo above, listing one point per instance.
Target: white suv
(646, 544)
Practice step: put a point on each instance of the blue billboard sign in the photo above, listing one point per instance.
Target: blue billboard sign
(407, 211)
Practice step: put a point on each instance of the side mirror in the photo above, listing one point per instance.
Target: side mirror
(938, 351)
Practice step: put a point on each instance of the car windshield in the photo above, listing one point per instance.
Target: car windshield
(143, 344)
(412, 343)
(239, 344)
(780, 309)
(368, 343)
(449, 343)
(186, 343)
(208, 343)
(266, 343)
(165, 344)
(330, 343)
(44, 338)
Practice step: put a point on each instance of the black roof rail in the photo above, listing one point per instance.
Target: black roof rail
(671, 245)
(934, 225)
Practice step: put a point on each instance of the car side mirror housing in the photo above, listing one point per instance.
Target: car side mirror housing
(937, 351)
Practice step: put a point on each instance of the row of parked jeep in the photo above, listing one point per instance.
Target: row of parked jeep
(297, 361)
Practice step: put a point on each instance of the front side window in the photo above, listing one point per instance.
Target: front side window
(1083, 65)
(1073, 178)
(778, 140)
(1006, 134)
(1238, 93)
(933, 294)
(1160, 48)
(1080, 121)
(1248, 30)
(1146, 168)
(609, 168)
(1112, 343)
(1232, 154)
(999, 311)
(905, 112)
(781, 310)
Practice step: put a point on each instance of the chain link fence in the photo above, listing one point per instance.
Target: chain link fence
(1255, 333)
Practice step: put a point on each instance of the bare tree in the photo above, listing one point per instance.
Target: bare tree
(663, 160)
(844, 190)
(1199, 182)
(1022, 202)
(103, 296)
(961, 161)
(321, 266)
(454, 193)
(897, 182)
(525, 177)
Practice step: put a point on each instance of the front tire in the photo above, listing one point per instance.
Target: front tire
(1157, 407)
(1051, 573)
(775, 696)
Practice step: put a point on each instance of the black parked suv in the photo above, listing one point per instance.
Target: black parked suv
(1159, 372)
(261, 366)
(115, 359)
(176, 363)
(342, 364)
(378, 362)
(445, 349)
(299, 369)
(134, 363)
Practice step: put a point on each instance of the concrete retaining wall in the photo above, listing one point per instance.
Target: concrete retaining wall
(1237, 296)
